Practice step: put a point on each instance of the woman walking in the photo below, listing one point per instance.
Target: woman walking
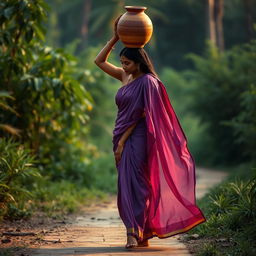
(156, 172)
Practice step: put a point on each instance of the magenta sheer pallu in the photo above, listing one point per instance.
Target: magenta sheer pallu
(156, 173)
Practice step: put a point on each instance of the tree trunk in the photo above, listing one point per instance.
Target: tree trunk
(211, 21)
(87, 4)
(215, 11)
(219, 11)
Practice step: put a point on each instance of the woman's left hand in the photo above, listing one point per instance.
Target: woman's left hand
(118, 153)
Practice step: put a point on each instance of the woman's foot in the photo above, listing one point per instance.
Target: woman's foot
(131, 242)
(143, 243)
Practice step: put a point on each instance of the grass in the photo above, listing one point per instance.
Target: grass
(26, 187)
(60, 198)
(230, 210)
(55, 199)
(209, 249)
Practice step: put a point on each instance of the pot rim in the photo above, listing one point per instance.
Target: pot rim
(135, 8)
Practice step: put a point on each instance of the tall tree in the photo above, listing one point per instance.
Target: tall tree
(219, 12)
(215, 21)
(211, 21)
(87, 5)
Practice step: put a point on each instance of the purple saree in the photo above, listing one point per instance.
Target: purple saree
(156, 173)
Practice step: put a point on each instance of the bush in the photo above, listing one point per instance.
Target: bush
(17, 174)
(230, 210)
(209, 250)
(224, 99)
(244, 124)
(50, 102)
(46, 104)
(71, 162)
(105, 173)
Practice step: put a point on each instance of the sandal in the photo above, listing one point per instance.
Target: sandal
(143, 243)
(131, 242)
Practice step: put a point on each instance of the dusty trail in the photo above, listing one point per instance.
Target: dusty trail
(100, 231)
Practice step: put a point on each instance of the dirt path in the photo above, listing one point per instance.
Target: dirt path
(99, 231)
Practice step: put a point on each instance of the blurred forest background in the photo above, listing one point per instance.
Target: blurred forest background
(57, 109)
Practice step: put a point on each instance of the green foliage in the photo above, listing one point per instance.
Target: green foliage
(51, 102)
(20, 22)
(209, 250)
(104, 172)
(4, 95)
(103, 90)
(230, 210)
(43, 95)
(17, 173)
(23, 190)
(50, 98)
(3, 101)
(244, 124)
(217, 98)
(72, 162)
(239, 198)
(62, 197)
(223, 84)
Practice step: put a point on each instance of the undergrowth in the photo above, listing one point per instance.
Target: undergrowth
(230, 210)
(24, 189)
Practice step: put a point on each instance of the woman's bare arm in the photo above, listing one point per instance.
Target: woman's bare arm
(120, 146)
(102, 57)
(121, 142)
(127, 133)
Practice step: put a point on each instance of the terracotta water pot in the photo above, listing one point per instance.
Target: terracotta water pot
(134, 27)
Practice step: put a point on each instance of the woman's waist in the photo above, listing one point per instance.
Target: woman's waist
(122, 124)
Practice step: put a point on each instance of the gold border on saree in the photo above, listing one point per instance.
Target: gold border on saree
(145, 236)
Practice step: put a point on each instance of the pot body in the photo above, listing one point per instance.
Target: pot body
(134, 28)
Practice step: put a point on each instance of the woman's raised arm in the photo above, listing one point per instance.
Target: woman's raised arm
(101, 59)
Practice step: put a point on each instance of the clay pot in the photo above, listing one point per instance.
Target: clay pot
(134, 27)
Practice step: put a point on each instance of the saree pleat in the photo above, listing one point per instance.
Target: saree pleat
(134, 191)
(156, 173)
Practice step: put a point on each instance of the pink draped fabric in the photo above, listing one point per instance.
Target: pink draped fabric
(159, 186)
(172, 206)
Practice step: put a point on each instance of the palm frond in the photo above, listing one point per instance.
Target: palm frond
(10, 129)
(5, 94)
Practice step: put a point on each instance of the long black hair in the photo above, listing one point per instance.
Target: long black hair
(139, 55)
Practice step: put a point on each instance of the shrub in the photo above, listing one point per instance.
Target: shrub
(224, 99)
(230, 210)
(17, 173)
